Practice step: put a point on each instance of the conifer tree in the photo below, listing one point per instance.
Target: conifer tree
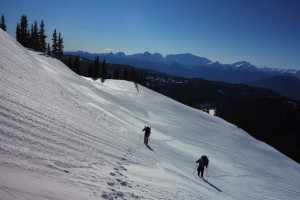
(190, 103)
(24, 33)
(132, 76)
(77, 65)
(116, 74)
(18, 32)
(96, 71)
(2, 23)
(156, 87)
(42, 38)
(104, 70)
(30, 36)
(54, 51)
(34, 37)
(49, 50)
(90, 71)
(136, 77)
(125, 75)
(70, 63)
(142, 79)
(60, 47)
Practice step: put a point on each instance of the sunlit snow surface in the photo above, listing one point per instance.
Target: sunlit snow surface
(63, 136)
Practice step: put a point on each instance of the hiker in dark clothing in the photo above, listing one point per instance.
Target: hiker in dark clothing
(203, 161)
(200, 167)
(147, 134)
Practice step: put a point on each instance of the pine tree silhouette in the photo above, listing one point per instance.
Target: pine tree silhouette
(49, 50)
(125, 74)
(77, 65)
(96, 68)
(116, 74)
(54, 51)
(18, 37)
(23, 32)
(104, 70)
(42, 38)
(34, 37)
(132, 75)
(60, 47)
(2, 23)
(70, 63)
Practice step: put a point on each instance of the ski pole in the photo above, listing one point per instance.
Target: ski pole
(207, 171)
(195, 168)
(207, 174)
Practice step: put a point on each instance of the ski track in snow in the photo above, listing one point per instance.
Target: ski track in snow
(63, 136)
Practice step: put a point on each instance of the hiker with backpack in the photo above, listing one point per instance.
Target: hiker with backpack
(203, 161)
(147, 130)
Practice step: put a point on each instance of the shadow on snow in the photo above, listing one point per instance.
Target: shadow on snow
(137, 87)
(149, 147)
(211, 185)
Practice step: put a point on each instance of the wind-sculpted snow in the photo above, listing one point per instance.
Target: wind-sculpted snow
(63, 136)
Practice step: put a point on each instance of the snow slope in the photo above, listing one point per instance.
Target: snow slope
(63, 136)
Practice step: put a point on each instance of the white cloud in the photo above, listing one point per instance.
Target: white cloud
(108, 50)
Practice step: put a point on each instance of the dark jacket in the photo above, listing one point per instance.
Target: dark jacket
(147, 130)
(201, 165)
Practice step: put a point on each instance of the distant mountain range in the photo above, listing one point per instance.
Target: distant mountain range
(191, 66)
(197, 92)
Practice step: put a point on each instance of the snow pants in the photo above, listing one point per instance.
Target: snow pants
(146, 137)
(200, 171)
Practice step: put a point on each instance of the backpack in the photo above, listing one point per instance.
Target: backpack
(205, 160)
(147, 130)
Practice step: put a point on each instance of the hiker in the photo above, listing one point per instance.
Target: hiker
(147, 130)
(203, 161)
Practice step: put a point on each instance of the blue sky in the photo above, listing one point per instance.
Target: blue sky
(263, 32)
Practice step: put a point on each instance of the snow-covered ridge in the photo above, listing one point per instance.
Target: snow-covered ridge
(63, 136)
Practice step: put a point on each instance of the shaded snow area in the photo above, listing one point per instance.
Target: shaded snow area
(63, 136)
